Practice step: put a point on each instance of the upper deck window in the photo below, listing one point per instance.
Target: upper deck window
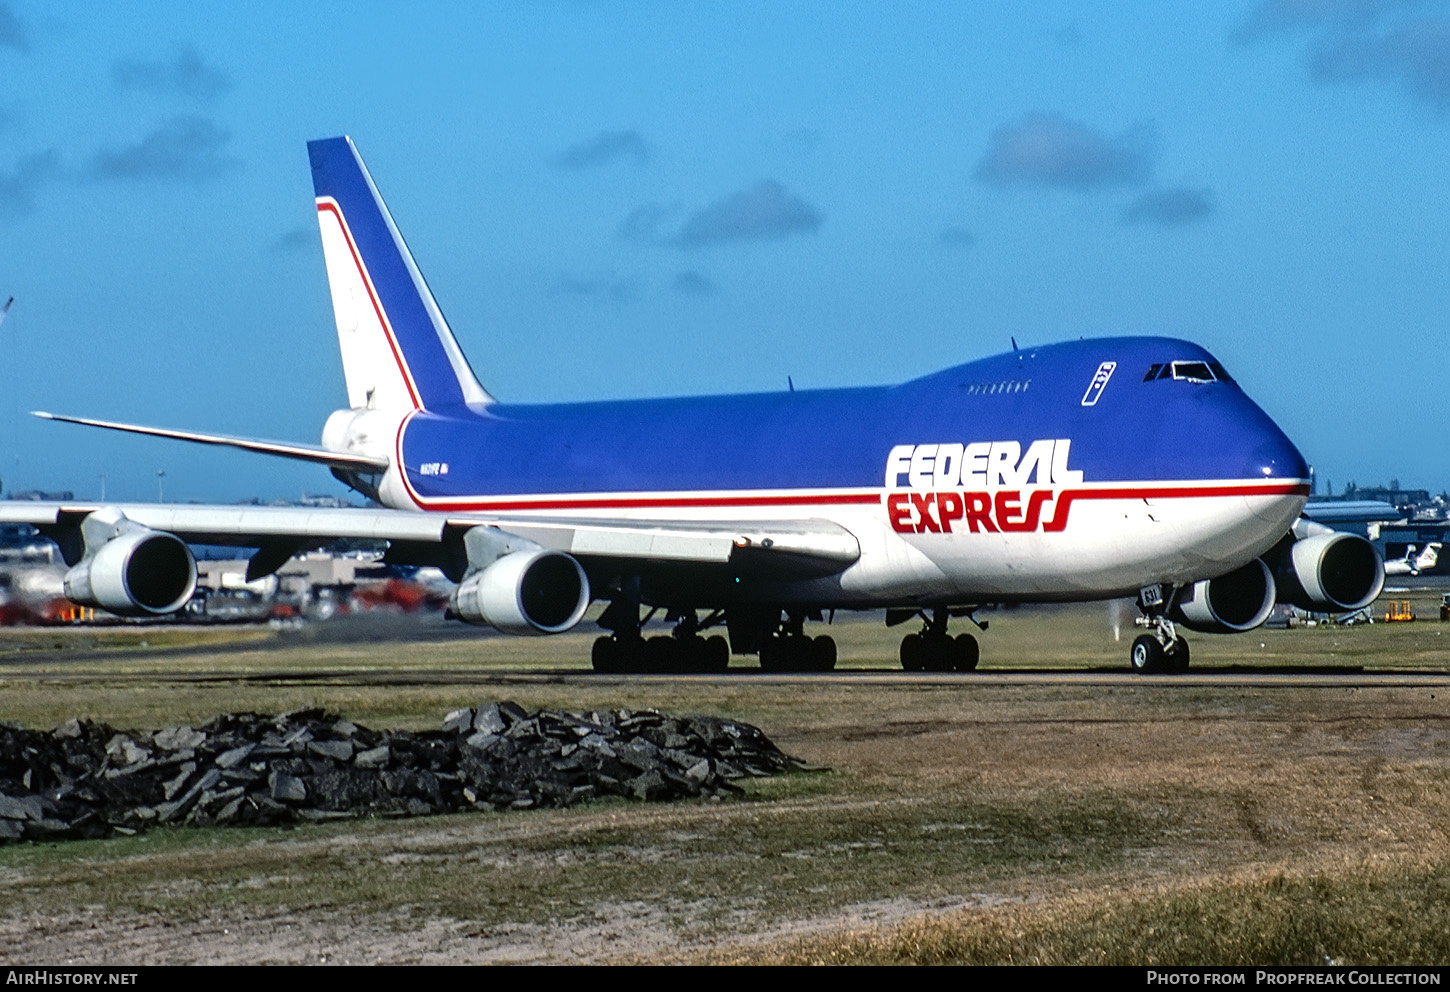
(1188, 372)
(994, 388)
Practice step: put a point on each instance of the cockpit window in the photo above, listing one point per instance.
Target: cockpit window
(1187, 372)
(1193, 371)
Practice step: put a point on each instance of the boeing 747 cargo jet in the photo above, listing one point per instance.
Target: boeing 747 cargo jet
(1081, 471)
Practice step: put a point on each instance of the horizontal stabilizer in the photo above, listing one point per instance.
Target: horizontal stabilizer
(281, 449)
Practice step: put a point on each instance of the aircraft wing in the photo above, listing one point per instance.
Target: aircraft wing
(789, 548)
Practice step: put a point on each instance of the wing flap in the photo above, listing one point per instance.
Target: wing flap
(797, 547)
(599, 539)
(787, 548)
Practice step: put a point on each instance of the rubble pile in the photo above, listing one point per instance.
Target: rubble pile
(87, 779)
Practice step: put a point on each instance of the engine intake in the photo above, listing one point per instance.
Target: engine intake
(135, 572)
(1229, 604)
(525, 592)
(1329, 572)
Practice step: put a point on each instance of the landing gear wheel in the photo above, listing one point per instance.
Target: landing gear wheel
(717, 654)
(772, 655)
(619, 655)
(1147, 655)
(604, 655)
(659, 655)
(789, 653)
(939, 653)
(799, 653)
(686, 654)
(1177, 659)
(823, 649)
(913, 653)
(965, 653)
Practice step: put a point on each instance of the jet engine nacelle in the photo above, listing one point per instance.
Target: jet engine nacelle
(525, 592)
(1328, 572)
(1229, 604)
(133, 572)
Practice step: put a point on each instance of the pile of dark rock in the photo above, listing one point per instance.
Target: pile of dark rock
(87, 779)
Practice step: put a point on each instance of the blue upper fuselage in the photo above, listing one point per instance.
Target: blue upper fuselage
(1181, 424)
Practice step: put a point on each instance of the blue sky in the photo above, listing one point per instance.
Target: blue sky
(652, 198)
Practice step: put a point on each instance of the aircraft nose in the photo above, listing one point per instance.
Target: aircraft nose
(1276, 457)
(1221, 434)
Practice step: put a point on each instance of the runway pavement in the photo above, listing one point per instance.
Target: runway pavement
(1246, 678)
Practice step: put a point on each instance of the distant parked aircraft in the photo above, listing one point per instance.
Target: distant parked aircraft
(1352, 511)
(1413, 564)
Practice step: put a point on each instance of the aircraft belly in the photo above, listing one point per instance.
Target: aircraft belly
(1113, 546)
(1103, 551)
(1092, 543)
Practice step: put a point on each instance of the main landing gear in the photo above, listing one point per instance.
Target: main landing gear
(781, 642)
(935, 650)
(661, 654)
(682, 650)
(790, 649)
(1161, 650)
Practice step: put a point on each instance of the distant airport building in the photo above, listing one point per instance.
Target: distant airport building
(1395, 518)
(1410, 502)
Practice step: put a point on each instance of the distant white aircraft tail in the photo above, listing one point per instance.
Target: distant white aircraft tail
(398, 352)
(1414, 564)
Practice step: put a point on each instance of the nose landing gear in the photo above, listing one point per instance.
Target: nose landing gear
(1161, 650)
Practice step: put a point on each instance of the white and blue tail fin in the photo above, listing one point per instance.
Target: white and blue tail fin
(398, 352)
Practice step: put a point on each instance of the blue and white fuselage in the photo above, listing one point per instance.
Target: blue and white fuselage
(996, 480)
(1085, 470)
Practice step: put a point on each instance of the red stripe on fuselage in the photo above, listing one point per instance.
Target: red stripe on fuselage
(852, 498)
(373, 296)
(651, 502)
(1068, 497)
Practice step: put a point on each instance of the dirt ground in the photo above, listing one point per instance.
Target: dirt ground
(1098, 795)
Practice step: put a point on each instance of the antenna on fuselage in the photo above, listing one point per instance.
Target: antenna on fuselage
(790, 383)
(6, 309)
(1013, 339)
